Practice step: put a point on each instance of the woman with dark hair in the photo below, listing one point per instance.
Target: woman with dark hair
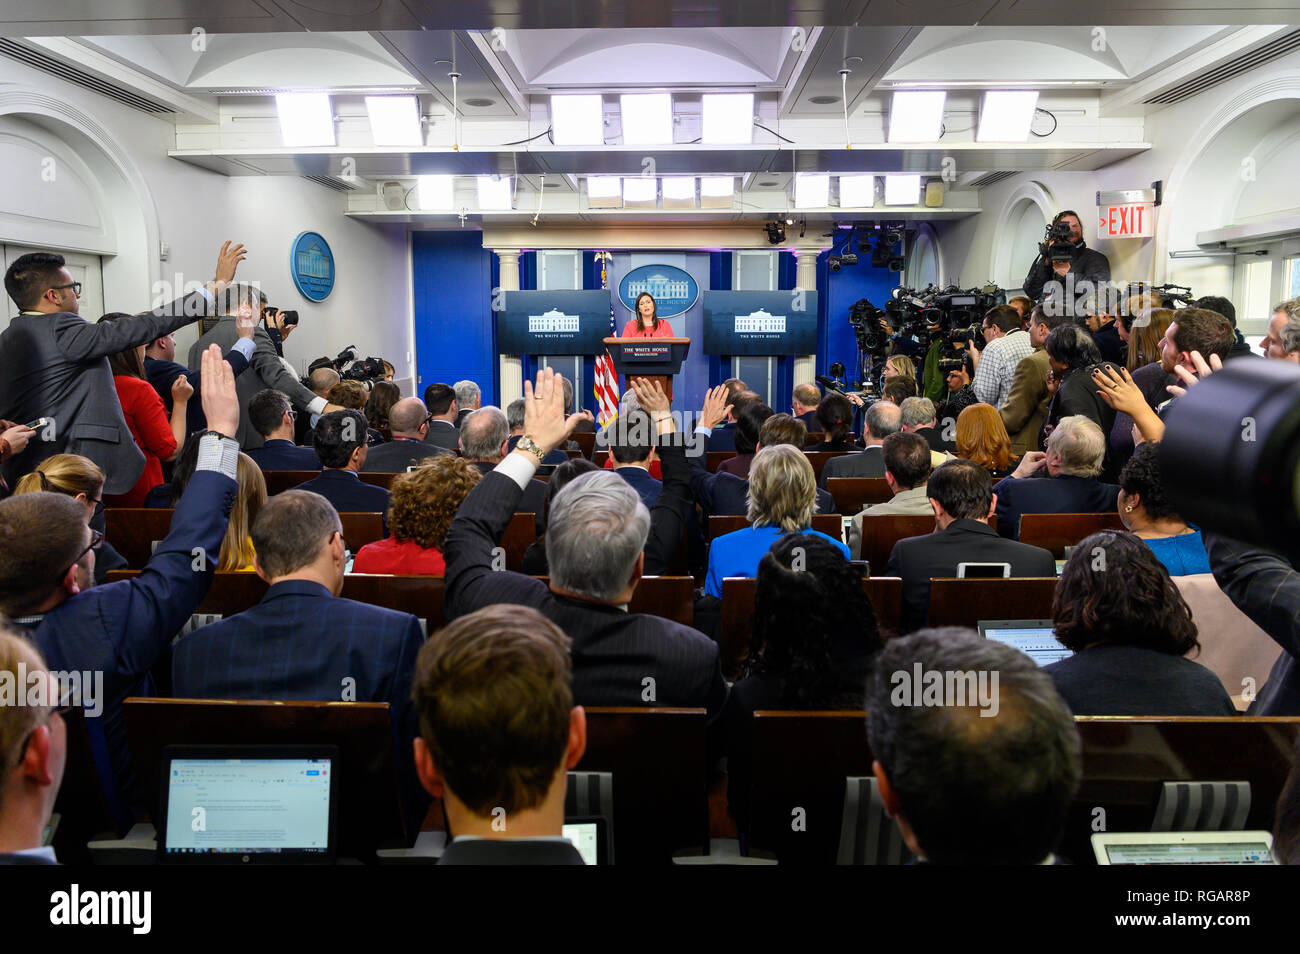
(383, 395)
(158, 437)
(1130, 629)
(815, 637)
(646, 322)
(1071, 354)
(1147, 512)
(748, 424)
(535, 556)
(835, 415)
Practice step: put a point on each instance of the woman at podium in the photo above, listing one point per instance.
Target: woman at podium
(647, 323)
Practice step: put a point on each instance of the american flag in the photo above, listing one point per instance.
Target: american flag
(606, 384)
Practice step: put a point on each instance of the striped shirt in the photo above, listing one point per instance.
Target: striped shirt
(997, 369)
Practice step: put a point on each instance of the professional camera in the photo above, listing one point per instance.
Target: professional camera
(1056, 246)
(1171, 296)
(869, 326)
(290, 317)
(1230, 456)
(367, 372)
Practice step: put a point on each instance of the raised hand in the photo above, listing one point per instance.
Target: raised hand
(1119, 391)
(220, 403)
(245, 324)
(228, 260)
(1203, 370)
(544, 421)
(650, 395)
(182, 390)
(715, 408)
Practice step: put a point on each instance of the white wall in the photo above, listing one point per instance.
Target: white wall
(116, 156)
(1197, 151)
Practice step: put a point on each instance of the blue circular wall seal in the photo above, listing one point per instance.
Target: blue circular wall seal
(311, 263)
(674, 289)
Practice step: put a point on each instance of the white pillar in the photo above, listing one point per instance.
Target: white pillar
(510, 368)
(805, 277)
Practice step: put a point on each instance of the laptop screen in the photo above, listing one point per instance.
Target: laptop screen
(248, 805)
(1032, 637)
(1240, 852)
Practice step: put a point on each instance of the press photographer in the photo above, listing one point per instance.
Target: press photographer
(1063, 253)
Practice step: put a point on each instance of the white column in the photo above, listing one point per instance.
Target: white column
(805, 277)
(510, 369)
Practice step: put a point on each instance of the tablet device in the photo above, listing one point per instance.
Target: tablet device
(1033, 637)
(1184, 848)
(967, 571)
(590, 835)
(249, 804)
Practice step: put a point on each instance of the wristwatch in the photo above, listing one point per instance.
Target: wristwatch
(528, 444)
(212, 433)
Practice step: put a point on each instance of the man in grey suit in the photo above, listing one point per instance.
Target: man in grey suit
(265, 370)
(56, 365)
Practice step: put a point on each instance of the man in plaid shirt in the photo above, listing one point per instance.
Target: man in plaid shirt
(995, 366)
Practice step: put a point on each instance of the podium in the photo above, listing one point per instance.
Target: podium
(654, 358)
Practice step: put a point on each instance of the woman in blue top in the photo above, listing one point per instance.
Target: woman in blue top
(782, 498)
(1145, 509)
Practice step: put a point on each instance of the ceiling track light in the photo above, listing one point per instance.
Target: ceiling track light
(844, 100)
(455, 113)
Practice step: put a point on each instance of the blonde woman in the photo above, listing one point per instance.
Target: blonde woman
(900, 366)
(782, 499)
(78, 477)
(237, 546)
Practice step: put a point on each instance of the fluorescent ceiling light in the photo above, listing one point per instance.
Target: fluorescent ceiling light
(306, 119)
(494, 195)
(647, 119)
(578, 120)
(435, 192)
(989, 84)
(604, 192)
(395, 120)
(857, 192)
(812, 190)
(727, 118)
(640, 192)
(916, 115)
(716, 191)
(679, 189)
(1006, 115)
(902, 190)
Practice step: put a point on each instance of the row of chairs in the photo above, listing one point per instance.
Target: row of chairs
(813, 766)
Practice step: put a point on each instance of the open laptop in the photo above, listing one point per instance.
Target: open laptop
(249, 804)
(1184, 848)
(1033, 637)
(590, 835)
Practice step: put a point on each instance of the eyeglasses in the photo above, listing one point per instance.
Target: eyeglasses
(61, 710)
(75, 286)
(96, 540)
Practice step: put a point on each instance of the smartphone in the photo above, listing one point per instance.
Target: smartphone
(37, 424)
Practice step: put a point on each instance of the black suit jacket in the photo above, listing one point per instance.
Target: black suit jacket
(869, 463)
(443, 434)
(614, 652)
(510, 851)
(810, 421)
(919, 559)
(348, 493)
(163, 374)
(532, 500)
(399, 454)
(1088, 264)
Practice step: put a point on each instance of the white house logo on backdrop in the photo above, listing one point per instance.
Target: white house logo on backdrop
(553, 320)
(760, 322)
(311, 263)
(674, 290)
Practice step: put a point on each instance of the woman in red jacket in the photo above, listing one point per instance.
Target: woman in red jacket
(420, 512)
(158, 437)
(647, 323)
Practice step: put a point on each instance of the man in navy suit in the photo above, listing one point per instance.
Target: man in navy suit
(409, 423)
(162, 370)
(882, 419)
(499, 733)
(33, 750)
(340, 439)
(271, 414)
(301, 641)
(632, 445)
(804, 406)
(961, 495)
(444, 416)
(1076, 450)
(47, 565)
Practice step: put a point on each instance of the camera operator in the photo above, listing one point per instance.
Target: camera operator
(1005, 347)
(278, 325)
(960, 395)
(1065, 253)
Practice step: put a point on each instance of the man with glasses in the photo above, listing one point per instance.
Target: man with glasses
(122, 629)
(409, 423)
(33, 749)
(271, 414)
(1005, 347)
(56, 365)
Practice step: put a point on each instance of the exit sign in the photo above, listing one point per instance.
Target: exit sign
(1127, 213)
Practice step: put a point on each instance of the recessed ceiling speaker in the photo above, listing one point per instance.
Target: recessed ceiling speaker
(394, 196)
(934, 194)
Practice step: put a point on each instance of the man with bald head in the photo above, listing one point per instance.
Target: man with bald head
(882, 419)
(409, 422)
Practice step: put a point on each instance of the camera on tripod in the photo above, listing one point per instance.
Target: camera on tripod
(868, 325)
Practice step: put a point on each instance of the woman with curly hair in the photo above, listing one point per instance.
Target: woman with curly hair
(983, 438)
(383, 395)
(814, 640)
(1130, 629)
(420, 511)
